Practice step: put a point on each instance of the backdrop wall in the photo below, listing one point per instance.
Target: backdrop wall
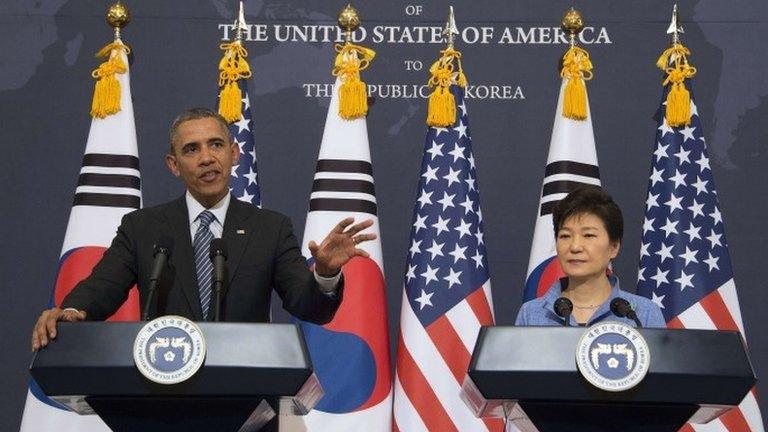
(47, 52)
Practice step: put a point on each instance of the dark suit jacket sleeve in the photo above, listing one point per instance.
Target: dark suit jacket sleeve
(296, 285)
(102, 293)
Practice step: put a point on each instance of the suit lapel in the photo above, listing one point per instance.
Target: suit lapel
(237, 231)
(183, 257)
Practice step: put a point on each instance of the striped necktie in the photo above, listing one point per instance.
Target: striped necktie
(201, 246)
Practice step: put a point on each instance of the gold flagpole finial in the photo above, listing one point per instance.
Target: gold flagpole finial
(240, 26)
(674, 62)
(107, 91)
(576, 68)
(349, 21)
(573, 24)
(233, 67)
(444, 73)
(118, 17)
(675, 28)
(350, 60)
(450, 29)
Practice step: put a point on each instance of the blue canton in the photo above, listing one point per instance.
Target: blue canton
(683, 253)
(244, 183)
(447, 255)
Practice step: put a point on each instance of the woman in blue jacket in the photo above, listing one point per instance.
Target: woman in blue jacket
(588, 230)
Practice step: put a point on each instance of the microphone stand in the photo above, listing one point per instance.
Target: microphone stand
(219, 258)
(218, 288)
(162, 253)
(150, 296)
(564, 308)
(633, 315)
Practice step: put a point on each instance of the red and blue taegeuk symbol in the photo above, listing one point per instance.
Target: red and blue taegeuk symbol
(541, 278)
(351, 353)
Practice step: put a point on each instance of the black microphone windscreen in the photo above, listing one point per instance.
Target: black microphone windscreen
(620, 307)
(218, 247)
(164, 245)
(563, 307)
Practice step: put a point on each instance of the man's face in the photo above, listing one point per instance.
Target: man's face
(203, 157)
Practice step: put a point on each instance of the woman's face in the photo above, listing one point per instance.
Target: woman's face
(583, 246)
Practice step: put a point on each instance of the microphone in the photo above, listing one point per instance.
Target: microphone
(621, 308)
(219, 258)
(163, 249)
(563, 308)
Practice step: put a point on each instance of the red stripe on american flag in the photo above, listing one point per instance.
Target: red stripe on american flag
(419, 392)
(479, 304)
(718, 311)
(394, 426)
(735, 421)
(455, 354)
(687, 428)
(675, 323)
(450, 346)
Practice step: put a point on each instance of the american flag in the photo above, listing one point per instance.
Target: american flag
(244, 183)
(447, 296)
(685, 267)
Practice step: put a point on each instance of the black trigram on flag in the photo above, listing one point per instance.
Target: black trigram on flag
(343, 185)
(562, 178)
(109, 180)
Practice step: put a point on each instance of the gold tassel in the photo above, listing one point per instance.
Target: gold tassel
(232, 67)
(577, 68)
(353, 95)
(441, 110)
(679, 98)
(106, 93)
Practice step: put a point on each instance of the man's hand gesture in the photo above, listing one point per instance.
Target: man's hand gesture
(339, 246)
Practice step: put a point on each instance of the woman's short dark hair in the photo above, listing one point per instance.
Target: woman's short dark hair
(590, 200)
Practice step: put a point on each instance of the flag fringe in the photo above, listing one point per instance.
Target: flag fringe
(674, 61)
(232, 67)
(106, 93)
(577, 68)
(441, 110)
(353, 96)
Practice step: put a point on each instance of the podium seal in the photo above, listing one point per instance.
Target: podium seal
(169, 349)
(613, 356)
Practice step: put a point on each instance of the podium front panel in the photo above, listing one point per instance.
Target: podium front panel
(539, 363)
(96, 359)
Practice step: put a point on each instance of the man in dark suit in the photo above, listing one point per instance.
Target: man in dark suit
(262, 249)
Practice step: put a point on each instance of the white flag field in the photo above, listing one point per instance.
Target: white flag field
(572, 162)
(351, 353)
(109, 186)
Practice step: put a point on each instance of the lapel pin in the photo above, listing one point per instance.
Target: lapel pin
(241, 231)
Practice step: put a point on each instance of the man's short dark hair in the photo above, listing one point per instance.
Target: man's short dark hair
(196, 114)
(590, 200)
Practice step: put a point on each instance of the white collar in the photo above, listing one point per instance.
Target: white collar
(194, 208)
